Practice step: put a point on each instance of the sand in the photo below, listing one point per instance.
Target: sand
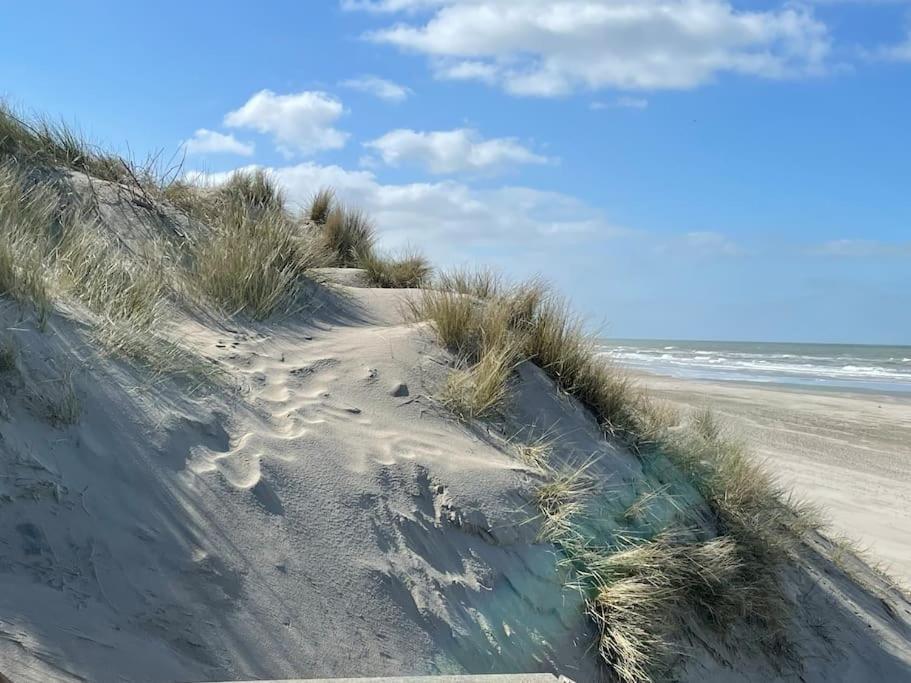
(850, 453)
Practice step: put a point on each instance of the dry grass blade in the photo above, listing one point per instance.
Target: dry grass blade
(348, 236)
(250, 191)
(643, 593)
(455, 318)
(479, 390)
(61, 403)
(408, 270)
(321, 205)
(27, 213)
(253, 262)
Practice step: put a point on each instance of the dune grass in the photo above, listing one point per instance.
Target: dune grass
(41, 142)
(406, 270)
(250, 191)
(472, 311)
(639, 592)
(321, 205)
(257, 256)
(645, 592)
(60, 401)
(477, 390)
(347, 236)
(27, 213)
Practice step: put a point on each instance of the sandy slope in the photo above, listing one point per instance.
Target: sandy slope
(327, 519)
(851, 453)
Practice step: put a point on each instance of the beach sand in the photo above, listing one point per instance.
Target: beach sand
(850, 453)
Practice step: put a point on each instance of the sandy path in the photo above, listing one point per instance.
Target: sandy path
(850, 453)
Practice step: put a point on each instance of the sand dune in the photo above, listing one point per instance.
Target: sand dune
(314, 510)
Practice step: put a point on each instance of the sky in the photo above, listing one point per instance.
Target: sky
(679, 169)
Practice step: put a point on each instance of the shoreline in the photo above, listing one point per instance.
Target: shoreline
(848, 452)
(791, 387)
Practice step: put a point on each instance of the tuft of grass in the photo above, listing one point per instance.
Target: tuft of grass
(454, 317)
(251, 191)
(645, 592)
(481, 283)
(348, 237)
(48, 143)
(558, 343)
(113, 285)
(321, 205)
(561, 500)
(471, 310)
(187, 197)
(537, 453)
(27, 213)
(408, 270)
(61, 403)
(254, 261)
(477, 391)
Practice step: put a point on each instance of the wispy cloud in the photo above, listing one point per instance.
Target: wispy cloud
(862, 248)
(620, 103)
(897, 52)
(378, 87)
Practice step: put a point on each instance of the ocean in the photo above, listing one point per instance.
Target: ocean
(826, 366)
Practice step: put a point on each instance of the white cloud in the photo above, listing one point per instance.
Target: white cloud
(621, 103)
(299, 123)
(444, 217)
(554, 47)
(211, 142)
(451, 151)
(378, 87)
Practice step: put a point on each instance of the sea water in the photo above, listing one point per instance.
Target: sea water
(835, 366)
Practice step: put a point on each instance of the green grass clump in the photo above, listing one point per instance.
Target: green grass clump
(348, 237)
(408, 270)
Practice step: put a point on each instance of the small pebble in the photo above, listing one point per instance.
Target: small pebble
(400, 389)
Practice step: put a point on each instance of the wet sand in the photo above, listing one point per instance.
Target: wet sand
(848, 452)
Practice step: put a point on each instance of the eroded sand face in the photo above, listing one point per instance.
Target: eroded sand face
(850, 453)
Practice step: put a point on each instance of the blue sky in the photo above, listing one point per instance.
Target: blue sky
(699, 169)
